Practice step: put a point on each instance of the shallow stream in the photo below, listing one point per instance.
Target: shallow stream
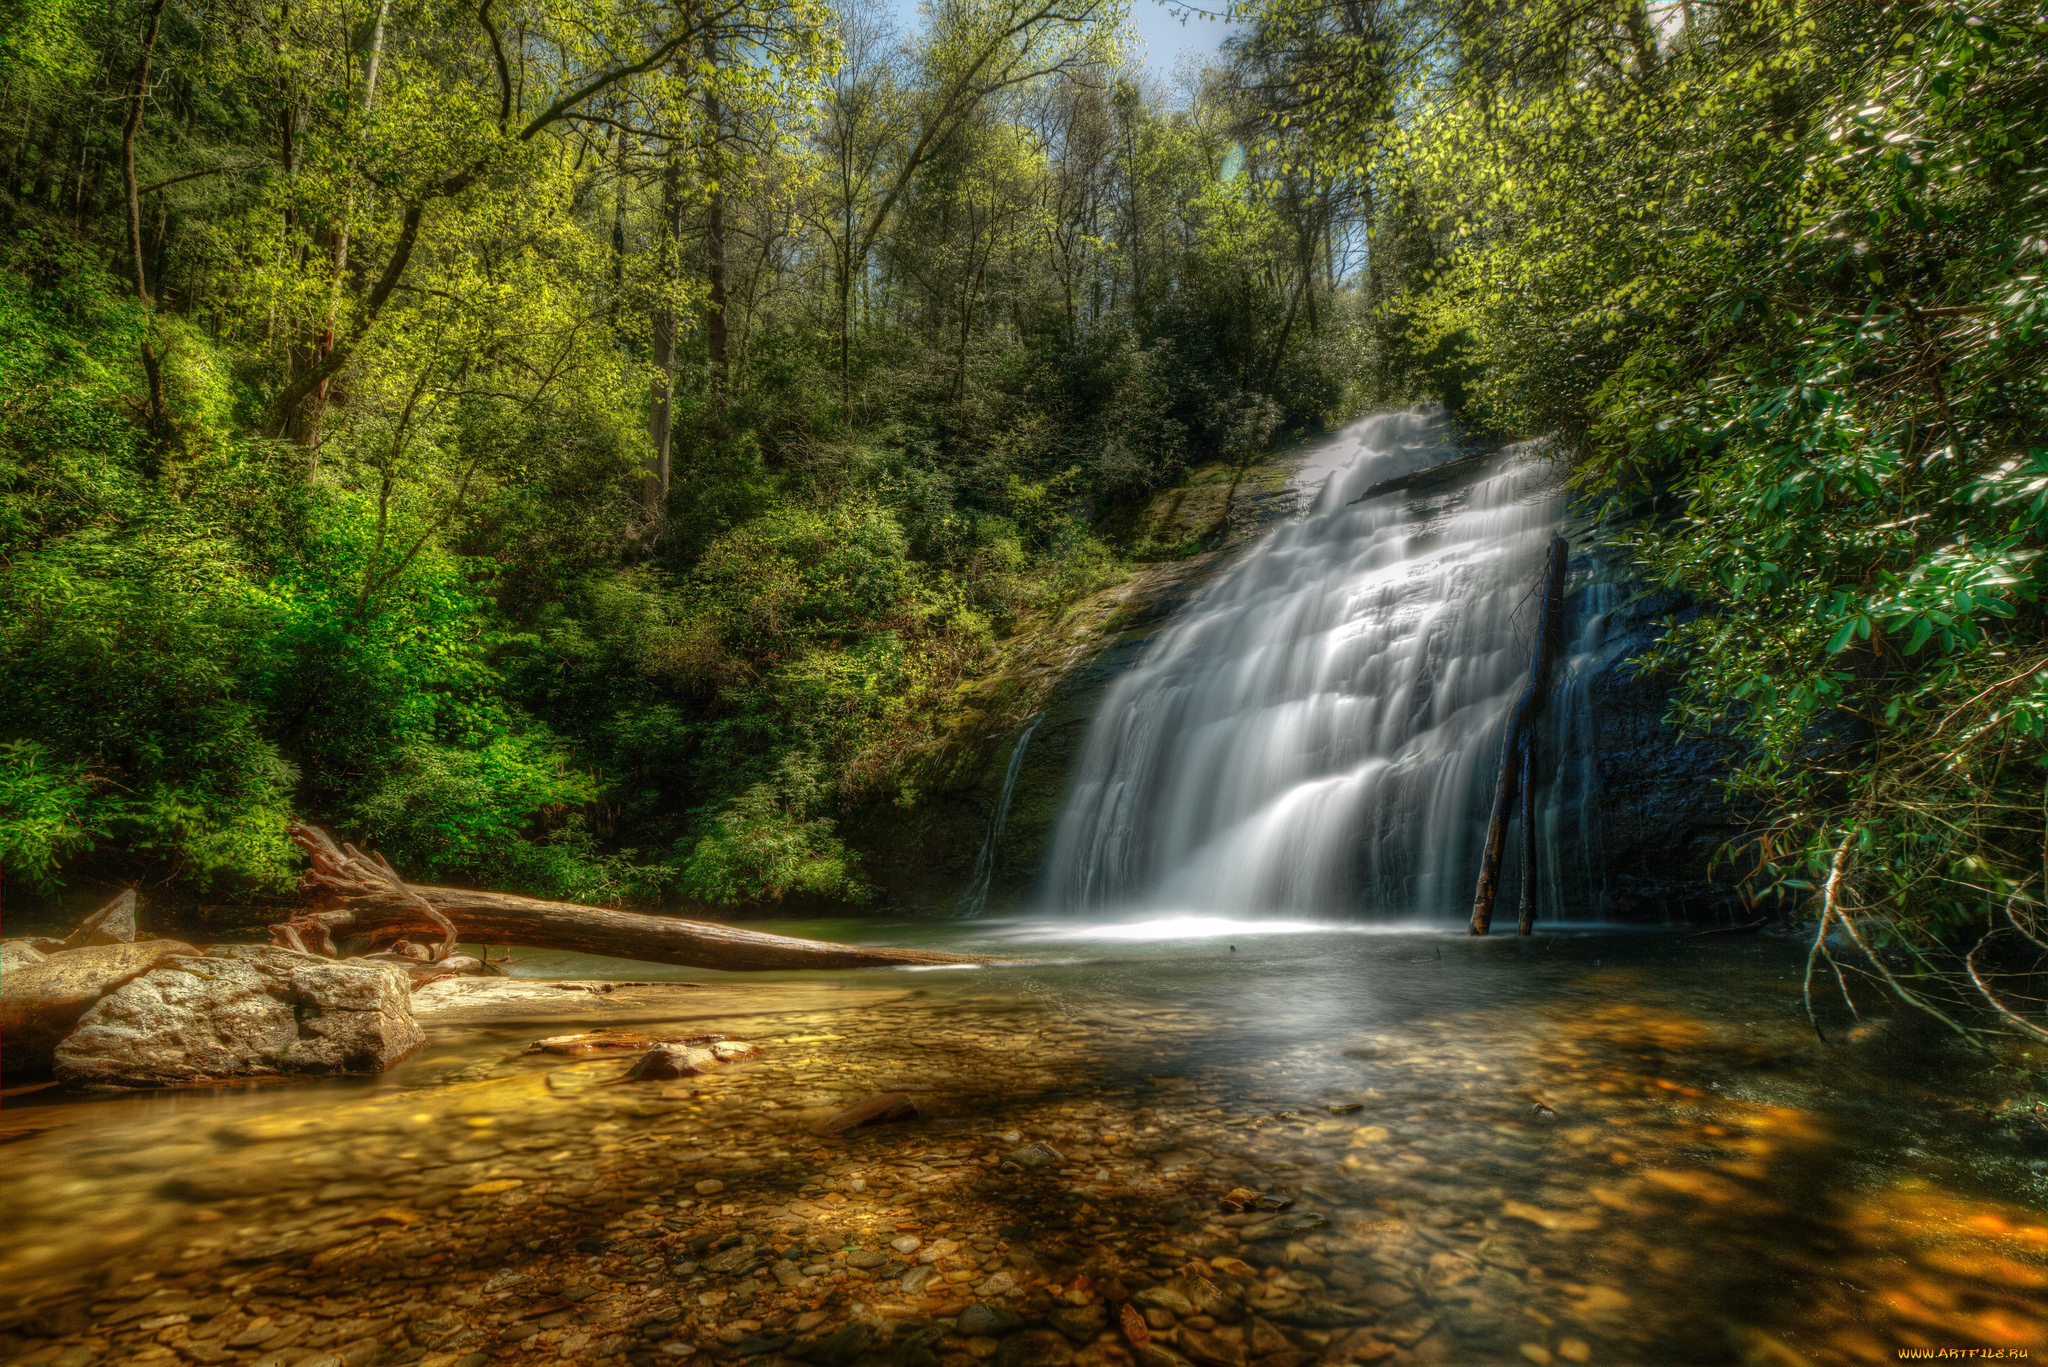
(1590, 1146)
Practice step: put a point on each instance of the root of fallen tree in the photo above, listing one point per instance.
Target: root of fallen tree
(359, 896)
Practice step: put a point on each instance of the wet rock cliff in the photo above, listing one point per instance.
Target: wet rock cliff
(1648, 817)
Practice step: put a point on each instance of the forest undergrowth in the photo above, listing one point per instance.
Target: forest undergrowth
(582, 464)
(572, 445)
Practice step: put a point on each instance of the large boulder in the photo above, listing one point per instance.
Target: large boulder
(42, 1001)
(244, 1011)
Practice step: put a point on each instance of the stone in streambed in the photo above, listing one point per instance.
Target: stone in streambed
(1081, 1323)
(42, 1002)
(1035, 1348)
(422, 970)
(1318, 1313)
(243, 1011)
(1165, 1298)
(884, 1109)
(665, 1062)
(1033, 1156)
(668, 1061)
(1211, 1350)
(16, 954)
(979, 1320)
(606, 1039)
(1283, 1227)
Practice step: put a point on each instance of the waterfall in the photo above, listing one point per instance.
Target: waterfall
(975, 898)
(1320, 730)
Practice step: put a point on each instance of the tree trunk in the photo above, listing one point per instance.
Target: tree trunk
(1513, 767)
(338, 251)
(1286, 327)
(715, 350)
(618, 231)
(152, 367)
(960, 360)
(354, 896)
(845, 346)
(1308, 275)
(1642, 36)
(714, 257)
(661, 411)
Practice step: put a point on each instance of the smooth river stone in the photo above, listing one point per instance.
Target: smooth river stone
(243, 1011)
(41, 1003)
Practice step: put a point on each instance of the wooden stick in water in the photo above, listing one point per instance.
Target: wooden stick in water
(1516, 767)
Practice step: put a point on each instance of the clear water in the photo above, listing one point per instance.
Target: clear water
(1708, 1183)
(1319, 732)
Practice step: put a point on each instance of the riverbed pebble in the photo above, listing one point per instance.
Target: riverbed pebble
(507, 1217)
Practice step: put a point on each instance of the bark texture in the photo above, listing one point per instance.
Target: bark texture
(355, 896)
(1516, 772)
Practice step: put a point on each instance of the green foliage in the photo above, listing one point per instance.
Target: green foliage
(765, 844)
(183, 670)
(454, 807)
(1779, 265)
(45, 813)
(349, 509)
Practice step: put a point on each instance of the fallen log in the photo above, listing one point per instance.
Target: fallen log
(358, 895)
(1517, 776)
(1440, 478)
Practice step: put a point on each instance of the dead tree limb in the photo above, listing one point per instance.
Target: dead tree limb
(344, 865)
(354, 895)
(1517, 748)
(1525, 922)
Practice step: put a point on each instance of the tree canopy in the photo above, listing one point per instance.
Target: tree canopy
(580, 444)
(1770, 275)
(583, 443)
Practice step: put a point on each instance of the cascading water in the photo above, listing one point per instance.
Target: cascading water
(1320, 731)
(975, 900)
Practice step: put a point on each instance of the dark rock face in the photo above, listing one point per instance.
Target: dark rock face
(112, 924)
(924, 857)
(1641, 811)
(1661, 812)
(243, 1011)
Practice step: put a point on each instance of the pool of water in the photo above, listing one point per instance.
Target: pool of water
(1587, 1146)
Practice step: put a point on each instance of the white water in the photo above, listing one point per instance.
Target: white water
(975, 899)
(1320, 731)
